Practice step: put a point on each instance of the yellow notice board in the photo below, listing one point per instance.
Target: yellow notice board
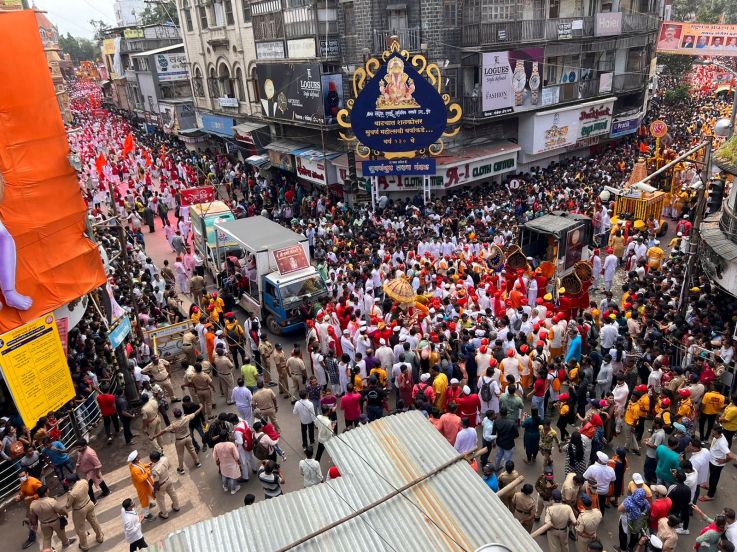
(35, 368)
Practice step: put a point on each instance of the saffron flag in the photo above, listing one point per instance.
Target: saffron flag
(100, 162)
(128, 145)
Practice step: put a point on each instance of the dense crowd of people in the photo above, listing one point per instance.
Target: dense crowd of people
(485, 350)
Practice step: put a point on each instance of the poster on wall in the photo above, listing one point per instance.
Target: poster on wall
(294, 91)
(697, 39)
(332, 86)
(511, 81)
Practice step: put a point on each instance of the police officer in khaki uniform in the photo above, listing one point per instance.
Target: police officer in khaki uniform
(523, 507)
(224, 370)
(571, 489)
(151, 420)
(83, 511)
(163, 485)
(265, 400)
(182, 437)
(203, 388)
(266, 349)
(505, 478)
(189, 340)
(280, 361)
(158, 369)
(587, 524)
(558, 516)
(46, 514)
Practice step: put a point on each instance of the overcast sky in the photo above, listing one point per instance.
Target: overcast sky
(73, 16)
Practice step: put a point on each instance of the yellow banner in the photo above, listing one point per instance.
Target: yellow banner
(34, 366)
(697, 39)
(11, 5)
(133, 33)
(108, 46)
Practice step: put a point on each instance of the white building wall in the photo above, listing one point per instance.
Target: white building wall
(128, 12)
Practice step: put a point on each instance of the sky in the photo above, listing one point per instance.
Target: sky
(73, 16)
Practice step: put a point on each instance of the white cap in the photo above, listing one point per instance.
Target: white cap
(466, 390)
(656, 542)
(346, 332)
(480, 333)
(424, 377)
(685, 217)
(402, 338)
(376, 300)
(132, 456)
(637, 478)
(219, 332)
(601, 457)
(396, 328)
(382, 341)
(454, 381)
(680, 234)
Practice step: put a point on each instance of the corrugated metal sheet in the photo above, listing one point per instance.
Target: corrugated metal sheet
(373, 460)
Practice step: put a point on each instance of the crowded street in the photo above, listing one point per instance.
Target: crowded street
(560, 325)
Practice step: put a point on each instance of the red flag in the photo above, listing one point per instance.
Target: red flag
(100, 162)
(128, 145)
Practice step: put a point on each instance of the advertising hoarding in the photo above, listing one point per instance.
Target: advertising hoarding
(397, 167)
(608, 24)
(171, 67)
(624, 126)
(697, 39)
(270, 50)
(292, 92)
(565, 127)
(511, 81)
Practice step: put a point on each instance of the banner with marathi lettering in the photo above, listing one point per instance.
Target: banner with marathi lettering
(697, 39)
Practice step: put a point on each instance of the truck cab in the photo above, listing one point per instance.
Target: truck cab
(560, 238)
(272, 266)
(204, 216)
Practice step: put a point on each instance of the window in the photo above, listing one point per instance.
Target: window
(253, 86)
(246, 4)
(450, 13)
(229, 17)
(187, 15)
(239, 89)
(349, 19)
(197, 84)
(450, 85)
(225, 83)
(212, 84)
(499, 10)
(554, 9)
(203, 16)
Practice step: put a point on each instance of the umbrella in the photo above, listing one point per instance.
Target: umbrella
(400, 290)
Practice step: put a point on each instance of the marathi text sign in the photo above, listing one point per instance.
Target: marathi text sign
(193, 196)
(35, 369)
(290, 259)
(398, 167)
(697, 39)
(118, 334)
(171, 67)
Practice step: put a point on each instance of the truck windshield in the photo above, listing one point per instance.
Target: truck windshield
(302, 288)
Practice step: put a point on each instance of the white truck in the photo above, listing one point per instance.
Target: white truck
(279, 282)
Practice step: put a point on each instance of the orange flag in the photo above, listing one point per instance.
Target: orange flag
(100, 162)
(128, 145)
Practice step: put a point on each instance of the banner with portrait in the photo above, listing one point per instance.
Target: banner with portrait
(697, 39)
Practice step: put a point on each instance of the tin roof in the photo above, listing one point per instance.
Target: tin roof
(552, 224)
(438, 513)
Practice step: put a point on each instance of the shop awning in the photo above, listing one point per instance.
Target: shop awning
(455, 157)
(286, 146)
(159, 50)
(259, 161)
(316, 154)
(247, 128)
(192, 132)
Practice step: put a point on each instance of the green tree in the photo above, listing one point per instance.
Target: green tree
(160, 12)
(676, 66)
(677, 95)
(79, 49)
(705, 11)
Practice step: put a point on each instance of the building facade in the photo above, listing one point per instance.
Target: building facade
(50, 40)
(538, 80)
(128, 12)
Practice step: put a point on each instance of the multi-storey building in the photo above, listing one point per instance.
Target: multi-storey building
(128, 12)
(538, 80)
(50, 40)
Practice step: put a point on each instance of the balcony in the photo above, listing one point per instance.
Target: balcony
(628, 82)
(531, 30)
(216, 36)
(409, 39)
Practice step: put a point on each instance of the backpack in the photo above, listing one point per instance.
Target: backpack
(485, 392)
(261, 452)
(247, 437)
(421, 393)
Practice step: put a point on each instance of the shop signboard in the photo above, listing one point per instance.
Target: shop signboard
(697, 39)
(34, 367)
(595, 120)
(330, 48)
(133, 33)
(319, 171)
(623, 126)
(511, 81)
(228, 102)
(565, 30)
(217, 124)
(270, 50)
(292, 92)
(193, 196)
(398, 167)
(171, 67)
(301, 48)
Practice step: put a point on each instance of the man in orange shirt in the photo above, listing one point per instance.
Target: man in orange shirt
(28, 487)
(712, 405)
(450, 424)
(142, 482)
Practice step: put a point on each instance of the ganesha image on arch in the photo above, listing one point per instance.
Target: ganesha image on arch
(8, 293)
(396, 89)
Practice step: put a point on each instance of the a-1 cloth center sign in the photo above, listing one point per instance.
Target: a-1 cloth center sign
(398, 110)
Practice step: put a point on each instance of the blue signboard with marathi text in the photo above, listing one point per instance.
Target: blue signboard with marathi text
(398, 167)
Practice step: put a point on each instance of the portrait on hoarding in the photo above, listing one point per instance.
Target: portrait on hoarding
(10, 297)
(670, 37)
(688, 41)
(702, 42)
(717, 42)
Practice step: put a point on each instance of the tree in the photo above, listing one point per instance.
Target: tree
(714, 11)
(79, 49)
(677, 95)
(160, 12)
(100, 27)
(676, 66)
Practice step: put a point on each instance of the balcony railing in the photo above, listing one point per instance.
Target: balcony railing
(628, 82)
(409, 39)
(531, 30)
(216, 36)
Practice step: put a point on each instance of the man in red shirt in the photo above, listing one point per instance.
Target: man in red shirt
(661, 505)
(425, 389)
(450, 424)
(106, 401)
(469, 405)
(350, 404)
